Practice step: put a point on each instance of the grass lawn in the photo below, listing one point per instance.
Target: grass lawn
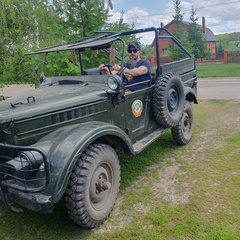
(167, 192)
(219, 70)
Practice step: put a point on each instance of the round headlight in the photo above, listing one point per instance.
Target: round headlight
(113, 83)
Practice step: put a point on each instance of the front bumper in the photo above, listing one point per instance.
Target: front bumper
(34, 201)
(24, 177)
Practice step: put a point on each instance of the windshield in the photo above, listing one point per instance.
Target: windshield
(75, 62)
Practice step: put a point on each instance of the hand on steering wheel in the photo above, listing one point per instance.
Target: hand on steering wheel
(109, 66)
(119, 72)
(105, 68)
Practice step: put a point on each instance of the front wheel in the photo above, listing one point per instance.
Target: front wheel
(182, 133)
(93, 186)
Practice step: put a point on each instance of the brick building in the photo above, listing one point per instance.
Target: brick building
(171, 27)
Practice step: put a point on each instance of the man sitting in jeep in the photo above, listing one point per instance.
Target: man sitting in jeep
(140, 73)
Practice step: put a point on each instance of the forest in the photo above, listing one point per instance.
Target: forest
(228, 37)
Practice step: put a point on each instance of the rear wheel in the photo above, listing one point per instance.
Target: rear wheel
(182, 133)
(93, 186)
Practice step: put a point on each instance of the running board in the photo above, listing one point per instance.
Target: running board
(146, 141)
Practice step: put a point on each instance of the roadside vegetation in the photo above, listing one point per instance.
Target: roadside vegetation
(167, 192)
(228, 41)
(218, 70)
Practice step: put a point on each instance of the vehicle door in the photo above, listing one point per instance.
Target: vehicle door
(137, 107)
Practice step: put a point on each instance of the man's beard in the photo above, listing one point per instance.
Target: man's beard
(134, 57)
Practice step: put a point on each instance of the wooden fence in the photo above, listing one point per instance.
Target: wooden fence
(234, 57)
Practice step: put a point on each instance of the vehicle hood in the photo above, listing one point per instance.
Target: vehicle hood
(50, 99)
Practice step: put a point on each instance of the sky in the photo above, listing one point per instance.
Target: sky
(221, 16)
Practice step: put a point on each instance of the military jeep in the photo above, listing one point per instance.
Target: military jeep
(60, 138)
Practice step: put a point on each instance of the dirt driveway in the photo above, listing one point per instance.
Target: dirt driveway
(15, 89)
(208, 88)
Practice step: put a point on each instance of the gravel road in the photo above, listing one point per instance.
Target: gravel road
(208, 88)
(219, 88)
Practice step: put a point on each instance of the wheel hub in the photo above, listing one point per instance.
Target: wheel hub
(186, 123)
(172, 99)
(102, 184)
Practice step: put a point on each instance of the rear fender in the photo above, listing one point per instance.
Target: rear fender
(69, 142)
(190, 95)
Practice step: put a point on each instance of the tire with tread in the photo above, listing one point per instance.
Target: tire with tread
(93, 186)
(182, 133)
(168, 100)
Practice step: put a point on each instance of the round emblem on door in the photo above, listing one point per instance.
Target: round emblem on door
(137, 107)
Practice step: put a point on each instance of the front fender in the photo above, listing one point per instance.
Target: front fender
(68, 143)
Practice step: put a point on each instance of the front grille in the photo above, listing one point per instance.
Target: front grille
(23, 168)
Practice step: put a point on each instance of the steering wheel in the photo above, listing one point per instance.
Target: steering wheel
(109, 66)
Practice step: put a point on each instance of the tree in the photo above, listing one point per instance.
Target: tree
(118, 25)
(147, 51)
(81, 17)
(178, 17)
(196, 38)
(220, 47)
(24, 25)
(175, 52)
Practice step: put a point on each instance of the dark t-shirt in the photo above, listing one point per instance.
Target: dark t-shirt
(140, 78)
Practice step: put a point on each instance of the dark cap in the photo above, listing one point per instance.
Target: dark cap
(135, 45)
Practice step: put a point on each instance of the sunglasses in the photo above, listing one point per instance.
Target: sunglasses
(132, 50)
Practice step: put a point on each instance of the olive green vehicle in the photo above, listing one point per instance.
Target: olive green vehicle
(59, 139)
